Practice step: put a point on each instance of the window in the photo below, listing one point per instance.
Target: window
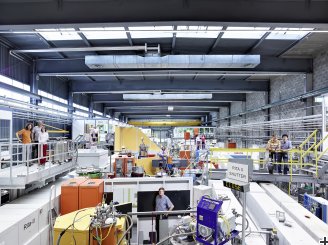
(245, 33)
(57, 108)
(81, 107)
(198, 31)
(13, 95)
(104, 33)
(151, 31)
(97, 113)
(59, 34)
(52, 97)
(82, 114)
(289, 33)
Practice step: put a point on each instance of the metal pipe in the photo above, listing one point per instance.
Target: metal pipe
(244, 219)
(163, 212)
(279, 103)
(85, 49)
(176, 235)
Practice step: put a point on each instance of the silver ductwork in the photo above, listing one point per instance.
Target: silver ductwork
(171, 61)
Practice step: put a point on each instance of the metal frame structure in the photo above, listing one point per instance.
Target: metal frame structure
(16, 172)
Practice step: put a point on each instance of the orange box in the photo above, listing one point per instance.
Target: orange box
(69, 199)
(196, 131)
(186, 135)
(91, 193)
(184, 154)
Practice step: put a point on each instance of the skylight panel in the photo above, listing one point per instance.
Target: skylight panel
(245, 33)
(59, 34)
(151, 31)
(289, 33)
(104, 33)
(198, 31)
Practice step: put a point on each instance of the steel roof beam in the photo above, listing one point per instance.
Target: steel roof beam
(298, 11)
(224, 86)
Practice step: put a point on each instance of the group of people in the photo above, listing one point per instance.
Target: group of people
(38, 135)
(278, 152)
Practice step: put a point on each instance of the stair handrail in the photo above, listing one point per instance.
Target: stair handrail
(302, 153)
(317, 157)
(314, 133)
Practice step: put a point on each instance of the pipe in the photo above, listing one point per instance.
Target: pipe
(176, 235)
(162, 212)
(86, 49)
(279, 103)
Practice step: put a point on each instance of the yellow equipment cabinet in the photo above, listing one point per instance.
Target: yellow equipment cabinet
(80, 230)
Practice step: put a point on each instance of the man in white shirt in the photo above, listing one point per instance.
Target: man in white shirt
(35, 139)
(43, 139)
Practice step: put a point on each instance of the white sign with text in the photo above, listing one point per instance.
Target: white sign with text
(237, 171)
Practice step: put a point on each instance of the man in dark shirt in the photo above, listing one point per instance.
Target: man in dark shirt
(163, 203)
(285, 146)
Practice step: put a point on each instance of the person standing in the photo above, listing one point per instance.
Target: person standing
(198, 141)
(43, 139)
(273, 146)
(163, 203)
(203, 141)
(26, 139)
(35, 139)
(285, 146)
(164, 157)
(110, 141)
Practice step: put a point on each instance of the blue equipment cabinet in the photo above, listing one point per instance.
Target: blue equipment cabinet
(207, 222)
(317, 205)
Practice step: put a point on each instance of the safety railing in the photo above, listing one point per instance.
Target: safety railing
(247, 153)
(319, 156)
(23, 159)
(304, 153)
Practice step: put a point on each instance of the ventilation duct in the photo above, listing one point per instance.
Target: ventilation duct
(171, 61)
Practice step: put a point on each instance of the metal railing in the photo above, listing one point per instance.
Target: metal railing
(319, 156)
(307, 147)
(304, 153)
(23, 156)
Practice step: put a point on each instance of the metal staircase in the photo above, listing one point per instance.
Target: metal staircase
(317, 164)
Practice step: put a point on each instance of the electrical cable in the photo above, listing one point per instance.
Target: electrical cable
(63, 232)
(73, 227)
(226, 223)
(109, 229)
(127, 230)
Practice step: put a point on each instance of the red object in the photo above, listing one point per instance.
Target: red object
(69, 198)
(186, 135)
(127, 165)
(184, 154)
(91, 193)
(196, 131)
(232, 145)
(44, 149)
(151, 155)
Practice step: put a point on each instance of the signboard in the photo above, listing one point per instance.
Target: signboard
(235, 186)
(238, 171)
